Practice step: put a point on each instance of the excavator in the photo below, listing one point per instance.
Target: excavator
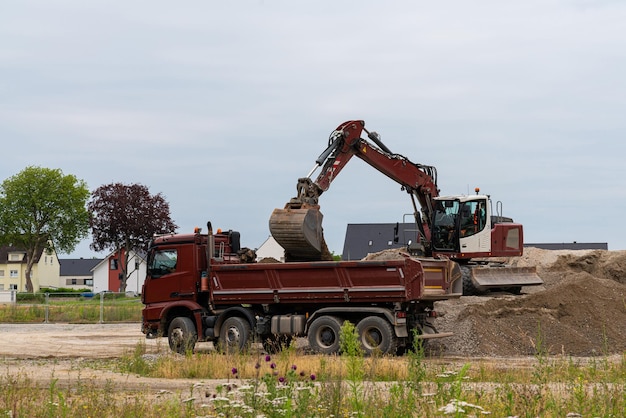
(464, 228)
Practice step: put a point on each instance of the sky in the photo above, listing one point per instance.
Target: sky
(222, 106)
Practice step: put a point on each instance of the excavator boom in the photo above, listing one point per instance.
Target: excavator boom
(298, 228)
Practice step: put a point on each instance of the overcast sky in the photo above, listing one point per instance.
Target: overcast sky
(222, 106)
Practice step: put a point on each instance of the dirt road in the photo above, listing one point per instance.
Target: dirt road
(32, 341)
(47, 352)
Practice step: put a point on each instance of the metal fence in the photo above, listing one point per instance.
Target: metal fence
(75, 307)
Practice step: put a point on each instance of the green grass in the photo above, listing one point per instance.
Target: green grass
(291, 384)
(74, 310)
(294, 384)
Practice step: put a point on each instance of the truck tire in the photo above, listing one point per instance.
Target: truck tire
(324, 334)
(376, 336)
(234, 335)
(182, 335)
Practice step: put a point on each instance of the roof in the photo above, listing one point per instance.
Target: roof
(78, 266)
(6, 249)
(362, 239)
(571, 246)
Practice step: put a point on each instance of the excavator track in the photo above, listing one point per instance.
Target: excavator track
(299, 232)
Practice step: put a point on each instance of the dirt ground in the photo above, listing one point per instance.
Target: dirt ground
(579, 311)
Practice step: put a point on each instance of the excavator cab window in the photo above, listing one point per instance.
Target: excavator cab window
(473, 218)
(444, 225)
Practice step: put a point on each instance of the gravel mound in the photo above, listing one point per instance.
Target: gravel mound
(579, 311)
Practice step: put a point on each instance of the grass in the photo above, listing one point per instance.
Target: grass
(295, 384)
(75, 310)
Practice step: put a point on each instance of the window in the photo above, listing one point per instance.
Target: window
(473, 217)
(113, 263)
(1, 273)
(12, 287)
(13, 274)
(163, 262)
(1, 286)
(74, 281)
(88, 282)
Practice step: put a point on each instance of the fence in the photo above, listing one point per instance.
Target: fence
(105, 307)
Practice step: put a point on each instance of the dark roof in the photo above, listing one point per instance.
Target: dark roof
(571, 246)
(362, 239)
(6, 249)
(78, 266)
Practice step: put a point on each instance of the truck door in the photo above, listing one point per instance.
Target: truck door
(168, 277)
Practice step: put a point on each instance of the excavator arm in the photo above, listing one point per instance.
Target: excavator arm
(298, 227)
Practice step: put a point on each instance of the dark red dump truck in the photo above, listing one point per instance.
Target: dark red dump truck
(205, 287)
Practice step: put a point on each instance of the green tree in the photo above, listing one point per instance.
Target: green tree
(124, 218)
(41, 208)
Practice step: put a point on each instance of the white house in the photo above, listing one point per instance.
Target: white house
(107, 273)
(270, 249)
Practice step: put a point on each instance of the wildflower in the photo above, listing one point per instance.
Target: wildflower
(257, 365)
(267, 358)
(281, 379)
(234, 370)
(313, 377)
(294, 367)
(273, 365)
(302, 374)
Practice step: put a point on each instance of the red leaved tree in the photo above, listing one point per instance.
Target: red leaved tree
(124, 218)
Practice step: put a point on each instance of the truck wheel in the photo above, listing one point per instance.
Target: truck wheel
(234, 334)
(182, 335)
(324, 333)
(376, 336)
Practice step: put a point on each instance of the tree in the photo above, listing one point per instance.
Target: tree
(124, 218)
(41, 208)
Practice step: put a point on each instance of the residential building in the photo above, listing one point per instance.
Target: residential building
(76, 273)
(363, 239)
(107, 274)
(270, 249)
(45, 271)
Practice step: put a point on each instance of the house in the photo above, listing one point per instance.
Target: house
(270, 249)
(363, 239)
(45, 271)
(76, 273)
(108, 272)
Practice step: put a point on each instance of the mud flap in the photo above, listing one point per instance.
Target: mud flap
(504, 277)
(299, 232)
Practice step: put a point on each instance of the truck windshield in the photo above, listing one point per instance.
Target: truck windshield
(162, 262)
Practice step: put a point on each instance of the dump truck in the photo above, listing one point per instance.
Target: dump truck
(206, 287)
(466, 229)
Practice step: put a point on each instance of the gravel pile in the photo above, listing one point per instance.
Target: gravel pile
(579, 311)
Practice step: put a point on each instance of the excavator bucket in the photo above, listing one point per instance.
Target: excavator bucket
(484, 278)
(299, 232)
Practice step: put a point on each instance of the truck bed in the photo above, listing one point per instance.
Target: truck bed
(402, 280)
